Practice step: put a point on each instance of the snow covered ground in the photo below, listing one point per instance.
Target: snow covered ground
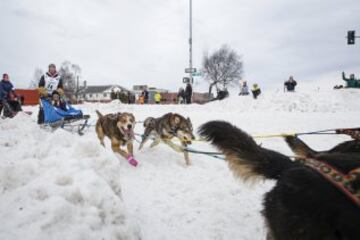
(62, 186)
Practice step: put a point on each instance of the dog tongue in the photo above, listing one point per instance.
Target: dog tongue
(130, 134)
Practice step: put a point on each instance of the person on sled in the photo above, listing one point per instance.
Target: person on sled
(51, 88)
(9, 101)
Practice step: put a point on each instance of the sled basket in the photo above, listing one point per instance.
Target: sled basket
(56, 117)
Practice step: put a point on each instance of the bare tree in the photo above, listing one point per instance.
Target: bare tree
(222, 68)
(69, 73)
(36, 78)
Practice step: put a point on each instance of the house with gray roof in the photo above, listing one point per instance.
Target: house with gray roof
(100, 93)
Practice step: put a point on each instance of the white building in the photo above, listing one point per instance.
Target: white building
(101, 93)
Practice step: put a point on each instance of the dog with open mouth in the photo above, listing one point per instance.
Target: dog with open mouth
(167, 127)
(119, 128)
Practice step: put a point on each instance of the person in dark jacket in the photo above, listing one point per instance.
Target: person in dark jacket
(8, 99)
(181, 96)
(146, 96)
(51, 83)
(256, 91)
(290, 84)
(51, 87)
(351, 82)
(188, 93)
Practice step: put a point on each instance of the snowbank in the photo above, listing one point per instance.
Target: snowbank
(58, 186)
(62, 186)
(343, 100)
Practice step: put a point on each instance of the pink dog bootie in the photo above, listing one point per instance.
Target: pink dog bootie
(132, 161)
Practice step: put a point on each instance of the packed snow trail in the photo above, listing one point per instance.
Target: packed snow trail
(62, 186)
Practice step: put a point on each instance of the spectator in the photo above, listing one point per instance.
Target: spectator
(290, 84)
(113, 95)
(256, 91)
(157, 97)
(222, 94)
(142, 98)
(244, 89)
(188, 93)
(351, 82)
(181, 96)
(146, 96)
(8, 99)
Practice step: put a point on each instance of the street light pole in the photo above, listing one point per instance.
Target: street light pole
(190, 42)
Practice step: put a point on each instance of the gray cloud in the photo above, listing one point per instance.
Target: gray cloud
(145, 41)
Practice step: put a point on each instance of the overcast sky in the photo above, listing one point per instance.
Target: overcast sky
(131, 42)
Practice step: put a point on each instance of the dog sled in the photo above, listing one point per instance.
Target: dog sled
(66, 117)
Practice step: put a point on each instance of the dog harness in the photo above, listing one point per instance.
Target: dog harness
(339, 180)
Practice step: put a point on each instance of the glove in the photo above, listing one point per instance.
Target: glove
(42, 92)
(60, 91)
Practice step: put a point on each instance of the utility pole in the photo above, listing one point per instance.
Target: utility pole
(190, 42)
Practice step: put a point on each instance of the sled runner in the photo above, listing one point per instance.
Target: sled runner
(65, 117)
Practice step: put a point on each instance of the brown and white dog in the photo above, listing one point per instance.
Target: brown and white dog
(167, 127)
(119, 128)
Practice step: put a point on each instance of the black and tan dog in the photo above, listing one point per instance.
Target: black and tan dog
(303, 204)
(303, 150)
(167, 127)
(119, 128)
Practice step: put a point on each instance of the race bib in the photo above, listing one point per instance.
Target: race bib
(51, 83)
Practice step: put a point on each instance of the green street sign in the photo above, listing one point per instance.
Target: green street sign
(197, 74)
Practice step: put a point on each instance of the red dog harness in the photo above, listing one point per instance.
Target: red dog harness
(338, 179)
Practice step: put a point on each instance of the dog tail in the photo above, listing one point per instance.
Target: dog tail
(99, 114)
(299, 147)
(246, 159)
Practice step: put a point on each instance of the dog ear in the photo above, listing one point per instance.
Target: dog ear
(119, 116)
(133, 117)
(190, 123)
(174, 119)
(113, 117)
(177, 119)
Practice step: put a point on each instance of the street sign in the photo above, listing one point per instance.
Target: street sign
(187, 80)
(190, 70)
(197, 74)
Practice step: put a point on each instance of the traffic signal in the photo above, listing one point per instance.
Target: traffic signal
(351, 37)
